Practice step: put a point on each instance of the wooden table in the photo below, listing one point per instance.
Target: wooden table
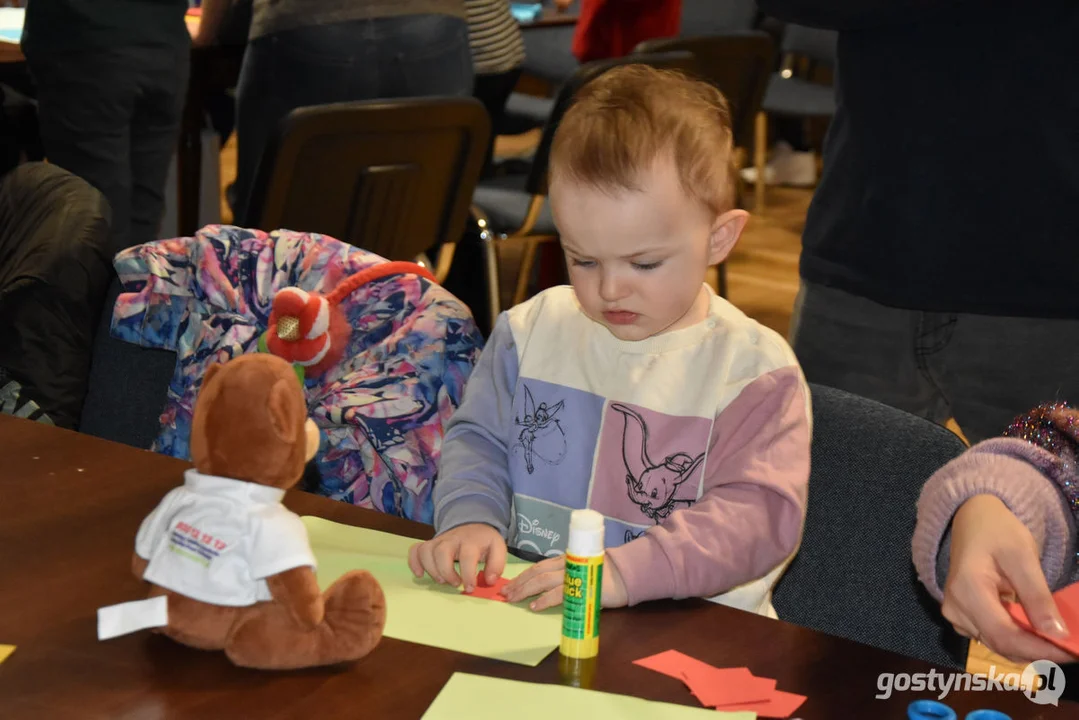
(70, 505)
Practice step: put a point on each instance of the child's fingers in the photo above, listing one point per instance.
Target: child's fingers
(543, 566)
(414, 563)
(548, 599)
(426, 555)
(494, 560)
(469, 560)
(445, 557)
(535, 585)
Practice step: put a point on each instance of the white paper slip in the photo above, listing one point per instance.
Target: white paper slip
(116, 620)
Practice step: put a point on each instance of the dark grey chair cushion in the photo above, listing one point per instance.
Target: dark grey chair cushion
(853, 575)
(505, 203)
(794, 96)
(524, 112)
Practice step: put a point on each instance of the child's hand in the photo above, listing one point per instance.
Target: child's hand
(993, 555)
(545, 579)
(466, 544)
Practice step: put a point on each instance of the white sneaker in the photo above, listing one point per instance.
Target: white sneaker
(786, 167)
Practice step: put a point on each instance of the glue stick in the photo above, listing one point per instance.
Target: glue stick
(582, 585)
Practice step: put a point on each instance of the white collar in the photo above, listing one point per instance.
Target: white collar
(237, 489)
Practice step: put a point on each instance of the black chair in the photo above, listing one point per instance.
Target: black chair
(128, 385)
(548, 55)
(515, 207)
(853, 575)
(791, 96)
(54, 269)
(739, 63)
(394, 177)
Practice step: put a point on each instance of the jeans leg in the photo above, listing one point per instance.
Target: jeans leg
(155, 129)
(493, 91)
(996, 368)
(423, 55)
(289, 70)
(85, 105)
(853, 344)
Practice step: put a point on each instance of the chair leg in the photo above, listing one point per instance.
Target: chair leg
(490, 257)
(490, 261)
(445, 261)
(524, 274)
(760, 151)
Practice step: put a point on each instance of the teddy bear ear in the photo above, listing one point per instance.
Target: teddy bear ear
(286, 415)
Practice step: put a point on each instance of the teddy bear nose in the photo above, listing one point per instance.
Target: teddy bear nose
(288, 328)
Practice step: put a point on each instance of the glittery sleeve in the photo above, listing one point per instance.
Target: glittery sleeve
(1025, 477)
(1055, 429)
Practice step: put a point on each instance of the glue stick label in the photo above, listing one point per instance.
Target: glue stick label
(581, 604)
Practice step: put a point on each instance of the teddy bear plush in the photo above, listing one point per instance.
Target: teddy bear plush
(234, 565)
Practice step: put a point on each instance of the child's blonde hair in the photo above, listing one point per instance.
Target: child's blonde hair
(622, 121)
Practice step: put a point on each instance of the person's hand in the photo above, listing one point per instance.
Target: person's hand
(468, 545)
(994, 556)
(545, 578)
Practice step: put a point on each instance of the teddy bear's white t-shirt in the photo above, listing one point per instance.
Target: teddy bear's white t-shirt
(217, 540)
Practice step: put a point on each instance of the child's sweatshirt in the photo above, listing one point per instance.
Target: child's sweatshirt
(694, 444)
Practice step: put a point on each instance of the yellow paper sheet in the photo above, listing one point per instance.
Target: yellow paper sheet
(484, 698)
(5, 651)
(424, 612)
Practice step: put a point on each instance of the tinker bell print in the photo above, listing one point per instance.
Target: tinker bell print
(541, 436)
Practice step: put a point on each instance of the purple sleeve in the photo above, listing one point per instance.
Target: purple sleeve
(1018, 473)
(473, 479)
(749, 518)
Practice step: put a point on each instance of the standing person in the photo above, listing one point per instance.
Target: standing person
(498, 52)
(312, 52)
(111, 78)
(612, 28)
(939, 255)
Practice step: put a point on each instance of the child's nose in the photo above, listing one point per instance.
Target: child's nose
(611, 287)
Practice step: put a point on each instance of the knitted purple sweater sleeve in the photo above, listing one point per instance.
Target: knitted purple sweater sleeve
(1025, 478)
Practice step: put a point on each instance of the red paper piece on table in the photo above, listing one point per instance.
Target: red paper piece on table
(711, 685)
(779, 705)
(727, 686)
(673, 664)
(490, 592)
(1067, 600)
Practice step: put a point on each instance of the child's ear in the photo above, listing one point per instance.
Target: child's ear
(726, 230)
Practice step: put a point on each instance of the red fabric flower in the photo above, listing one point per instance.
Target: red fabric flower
(299, 327)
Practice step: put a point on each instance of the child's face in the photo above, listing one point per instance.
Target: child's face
(637, 259)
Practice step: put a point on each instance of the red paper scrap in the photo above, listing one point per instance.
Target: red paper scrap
(490, 592)
(779, 705)
(727, 689)
(1067, 600)
(727, 686)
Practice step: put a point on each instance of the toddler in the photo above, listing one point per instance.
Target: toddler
(636, 392)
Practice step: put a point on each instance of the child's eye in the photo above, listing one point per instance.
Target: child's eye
(583, 263)
(647, 266)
